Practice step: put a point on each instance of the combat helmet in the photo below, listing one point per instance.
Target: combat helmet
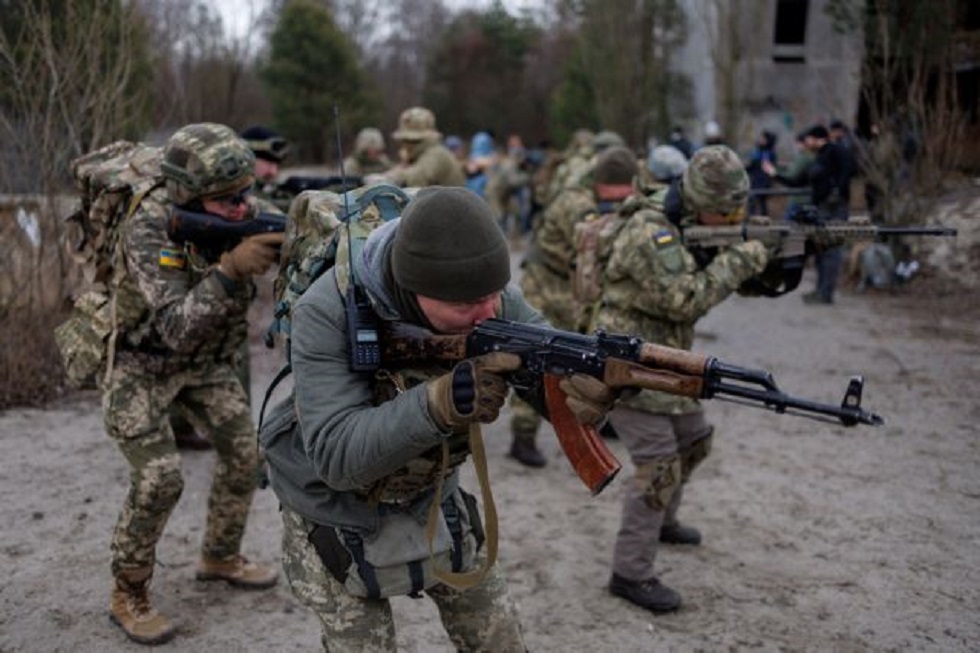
(666, 163)
(369, 138)
(205, 160)
(416, 124)
(715, 181)
(606, 139)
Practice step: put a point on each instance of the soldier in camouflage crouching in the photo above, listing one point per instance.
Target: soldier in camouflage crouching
(183, 351)
(656, 289)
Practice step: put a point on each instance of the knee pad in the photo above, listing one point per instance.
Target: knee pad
(658, 478)
(692, 456)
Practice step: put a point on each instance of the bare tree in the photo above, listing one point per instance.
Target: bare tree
(909, 92)
(71, 78)
(204, 72)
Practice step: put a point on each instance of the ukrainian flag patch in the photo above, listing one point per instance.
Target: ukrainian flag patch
(173, 258)
(663, 237)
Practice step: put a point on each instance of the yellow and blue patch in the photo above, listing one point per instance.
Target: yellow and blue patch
(172, 258)
(663, 237)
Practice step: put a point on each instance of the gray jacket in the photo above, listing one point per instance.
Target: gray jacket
(328, 439)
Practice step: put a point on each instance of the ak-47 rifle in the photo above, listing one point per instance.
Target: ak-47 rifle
(213, 235)
(619, 361)
(793, 240)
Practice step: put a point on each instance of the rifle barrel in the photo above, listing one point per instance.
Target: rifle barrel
(917, 231)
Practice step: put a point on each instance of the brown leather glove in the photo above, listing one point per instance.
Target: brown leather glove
(588, 398)
(251, 257)
(473, 391)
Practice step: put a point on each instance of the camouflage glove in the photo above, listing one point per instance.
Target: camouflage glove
(251, 257)
(473, 391)
(755, 252)
(588, 398)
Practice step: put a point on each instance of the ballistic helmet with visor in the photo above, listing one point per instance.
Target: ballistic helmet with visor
(205, 160)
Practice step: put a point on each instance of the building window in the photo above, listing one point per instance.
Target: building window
(789, 37)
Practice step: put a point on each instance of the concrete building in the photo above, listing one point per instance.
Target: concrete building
(765, 64)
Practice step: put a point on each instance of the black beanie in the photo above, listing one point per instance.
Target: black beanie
(448, 247)
(616, 166)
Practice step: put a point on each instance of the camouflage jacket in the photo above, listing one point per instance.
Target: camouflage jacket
(186, 315)
(433, 165)
(554, 234)
(359, 166)
(655, 289)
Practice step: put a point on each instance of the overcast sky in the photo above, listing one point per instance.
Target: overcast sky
(237, 16)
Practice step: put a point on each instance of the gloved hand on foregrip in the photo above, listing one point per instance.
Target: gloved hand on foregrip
(473, 391)
(251, 257)
(588, 398)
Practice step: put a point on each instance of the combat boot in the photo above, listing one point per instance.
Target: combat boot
(238, 571)
(677, 533)
(130, 609)
(525, 451)
(649, 594)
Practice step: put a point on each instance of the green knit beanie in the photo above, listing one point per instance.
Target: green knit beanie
(448, 247)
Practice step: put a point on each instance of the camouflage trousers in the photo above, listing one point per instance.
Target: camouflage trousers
(551, 294)
(479, 619)
(136, 404)
(664, 450)
(180, 423)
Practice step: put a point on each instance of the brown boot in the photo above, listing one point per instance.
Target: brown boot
(238, 571)
(130, 609)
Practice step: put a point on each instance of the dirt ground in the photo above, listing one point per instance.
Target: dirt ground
(816, 537)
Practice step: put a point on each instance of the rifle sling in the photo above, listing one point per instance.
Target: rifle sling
(466, 580)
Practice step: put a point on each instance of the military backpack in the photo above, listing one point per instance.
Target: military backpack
(324, 229)
(111, 182)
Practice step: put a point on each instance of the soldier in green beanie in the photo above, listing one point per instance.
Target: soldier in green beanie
(355, 457)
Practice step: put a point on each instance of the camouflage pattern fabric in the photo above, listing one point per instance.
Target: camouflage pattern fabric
(570, 172)
(429, 164)
(136, 403)
(546, 282)
(206, 160)
(655, 289)
(182, 351)
(715, 181)
(473, 618)
(360, 165)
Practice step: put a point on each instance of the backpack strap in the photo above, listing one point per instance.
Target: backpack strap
(118, 265)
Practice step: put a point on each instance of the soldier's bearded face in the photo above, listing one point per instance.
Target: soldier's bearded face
(458, 317)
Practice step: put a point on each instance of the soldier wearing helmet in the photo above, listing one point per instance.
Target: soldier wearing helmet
(423, 159)
(369, 156)
(549, 268)
(654, 287)
(178, 345)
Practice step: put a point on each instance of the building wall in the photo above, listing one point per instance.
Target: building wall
(783, 96)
